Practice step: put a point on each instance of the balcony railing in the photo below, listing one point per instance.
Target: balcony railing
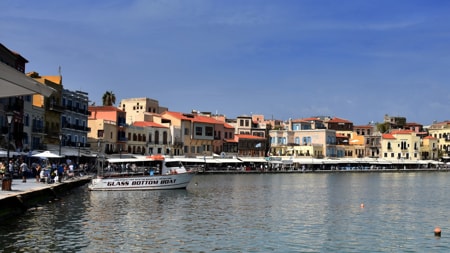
(76, 109)
(76, 127)
(56, 107)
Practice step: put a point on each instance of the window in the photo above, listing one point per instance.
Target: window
(26, 120)
(164, 137)
(157, 138)
(198, 131)
(209, 131)
(186, 131)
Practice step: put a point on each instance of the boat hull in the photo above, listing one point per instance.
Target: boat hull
(166, 182)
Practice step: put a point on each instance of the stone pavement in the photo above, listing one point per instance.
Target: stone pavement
(18, 187)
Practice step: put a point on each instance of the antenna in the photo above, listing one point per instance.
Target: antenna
(59, 70)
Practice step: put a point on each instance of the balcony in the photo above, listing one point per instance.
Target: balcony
(122, 139)
(35, 129)
(76, 127)
(55, 107)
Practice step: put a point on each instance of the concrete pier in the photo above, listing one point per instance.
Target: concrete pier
(25, 195)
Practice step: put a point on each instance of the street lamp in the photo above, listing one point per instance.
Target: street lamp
(60, 143)
(78, 157)
(9, 117)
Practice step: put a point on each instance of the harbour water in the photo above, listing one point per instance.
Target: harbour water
(247, 213)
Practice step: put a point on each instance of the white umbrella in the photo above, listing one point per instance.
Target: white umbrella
(46, 154)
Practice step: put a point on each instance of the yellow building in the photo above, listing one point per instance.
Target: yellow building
(429, 148)
(441, 131)
(140, 109)
(53, 106)
(400, 145)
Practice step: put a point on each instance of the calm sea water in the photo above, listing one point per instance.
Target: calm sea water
(247, 213)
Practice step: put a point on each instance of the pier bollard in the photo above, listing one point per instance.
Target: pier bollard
(6, 184)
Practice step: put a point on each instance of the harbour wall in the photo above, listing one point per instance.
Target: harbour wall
(17, 204)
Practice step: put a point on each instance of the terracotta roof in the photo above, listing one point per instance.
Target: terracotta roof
(193, 117)
(402, 131)
(429, 137)
(363, 126)
(248, 136)
(339, 120)
(148, 124)
(388, 136)
(103, 108)
(301, 121)
(413, 124)
(311, 119)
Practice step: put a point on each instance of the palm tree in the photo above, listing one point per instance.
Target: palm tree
(109, 98)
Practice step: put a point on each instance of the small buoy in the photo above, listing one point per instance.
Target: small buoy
(362, 205)
(196, 183)
(437, 231)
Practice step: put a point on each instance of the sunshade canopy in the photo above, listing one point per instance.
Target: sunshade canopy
(16, 83)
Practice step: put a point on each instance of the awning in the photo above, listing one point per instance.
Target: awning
(227, 160)
(16, 83)
(253, 159)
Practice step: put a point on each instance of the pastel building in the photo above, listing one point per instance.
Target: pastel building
(108, 129)
(140, 109)
(401, 145)
(318, 143)
(441, 131)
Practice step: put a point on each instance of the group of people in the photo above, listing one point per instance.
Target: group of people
(42, 171)
(12, 167)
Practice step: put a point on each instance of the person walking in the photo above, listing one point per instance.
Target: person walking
(11, 169)
(24, 171)
(38, 173)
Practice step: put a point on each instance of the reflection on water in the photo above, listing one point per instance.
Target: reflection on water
(246, 213)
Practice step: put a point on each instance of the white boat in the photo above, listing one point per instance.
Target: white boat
(141, 173)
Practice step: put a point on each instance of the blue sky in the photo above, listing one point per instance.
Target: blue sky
(357, 60)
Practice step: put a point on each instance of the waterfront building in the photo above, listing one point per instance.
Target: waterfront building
(401, 145)
(341, 126)
(429, 148)
(197, 132)
(140, 109)
(367, 141)
(318, 143)
(230, 142)
(251, 145)
(148, 138)
(252, 125)
(53, 108)
(394, 122)
(74, 119)
(441, 131)
(13, 137)
(108, 129)
(33, 125)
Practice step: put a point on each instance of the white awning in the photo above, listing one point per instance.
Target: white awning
(253, 159)
(227, 160)
(16, 83)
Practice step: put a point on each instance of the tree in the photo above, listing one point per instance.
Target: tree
(109, 98)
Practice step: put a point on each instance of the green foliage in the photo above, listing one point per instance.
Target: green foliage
(108, 98)
(383, 127)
